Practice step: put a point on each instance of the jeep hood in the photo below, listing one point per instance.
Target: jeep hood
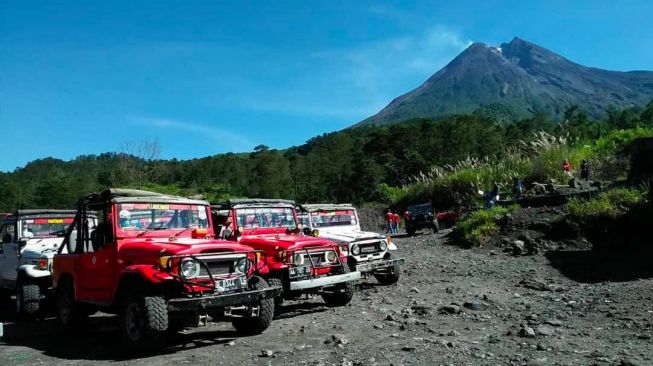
(348, 235)
(284, 241)
(41, 247)
(181, 246)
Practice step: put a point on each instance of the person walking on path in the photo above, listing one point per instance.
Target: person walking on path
(517, 188)
(584, 170)
(492, 197)
(390, 218)
(397, 220)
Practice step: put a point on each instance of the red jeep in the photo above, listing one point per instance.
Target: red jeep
(299, 264)
(153, 260)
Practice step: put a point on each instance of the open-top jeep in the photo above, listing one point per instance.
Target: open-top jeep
(152, 259)
(30, 238)
(369, 253)
(300, 264)
(421, 216)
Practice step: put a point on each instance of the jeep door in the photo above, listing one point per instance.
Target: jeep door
(97, 257)
(9, 255)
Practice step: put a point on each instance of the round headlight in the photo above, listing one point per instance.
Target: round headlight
(242, 265)
(190, 268)
(298, 259)
(383, 246)
(355, 249)
(331, 256)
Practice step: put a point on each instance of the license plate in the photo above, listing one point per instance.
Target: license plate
(299, 271)
(229, 284)
(368, 249)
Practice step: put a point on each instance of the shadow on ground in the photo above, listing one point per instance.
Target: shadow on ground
(100, 340)
(300, 308)
(590, 266)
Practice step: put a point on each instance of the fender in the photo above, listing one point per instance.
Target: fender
(147, 272)
(262, 267)
(392, 246)
(273, 265)
(32, 271)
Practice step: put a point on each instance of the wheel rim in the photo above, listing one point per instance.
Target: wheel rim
(134, 321)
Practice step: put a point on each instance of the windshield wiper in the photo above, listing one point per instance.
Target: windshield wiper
(152, 229)
(184, 230)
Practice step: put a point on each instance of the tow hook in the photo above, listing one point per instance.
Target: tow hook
(202, 320)
(254, 312)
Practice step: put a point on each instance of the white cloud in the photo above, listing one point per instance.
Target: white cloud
(385, 69)
(226, 138)
(350, 84)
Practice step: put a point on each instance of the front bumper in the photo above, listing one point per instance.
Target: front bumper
(218, 300)
(378, 264)
(324, 281)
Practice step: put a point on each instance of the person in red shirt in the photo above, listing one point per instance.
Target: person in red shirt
(390, 217)
(397, 219)
(567, 167)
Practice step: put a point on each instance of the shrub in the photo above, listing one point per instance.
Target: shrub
(607, 204)
(477, 227)
(619, 141)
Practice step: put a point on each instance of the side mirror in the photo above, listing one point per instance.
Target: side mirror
(21, 243)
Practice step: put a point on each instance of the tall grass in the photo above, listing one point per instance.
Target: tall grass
(537, 160)
(607, 204)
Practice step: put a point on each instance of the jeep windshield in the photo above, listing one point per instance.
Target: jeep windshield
(161, 216)
(420, 209)
(266, 217)
(333, 218)
(42, 227)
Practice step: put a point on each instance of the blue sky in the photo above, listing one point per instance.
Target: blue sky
(207, 77)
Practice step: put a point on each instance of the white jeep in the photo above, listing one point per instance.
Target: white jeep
(369, 252)
(30, 238)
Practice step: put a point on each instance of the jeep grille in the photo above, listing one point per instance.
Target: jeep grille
(370, 248)
(218, 268)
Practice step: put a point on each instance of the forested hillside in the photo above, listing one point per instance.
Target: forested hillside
(355, 165)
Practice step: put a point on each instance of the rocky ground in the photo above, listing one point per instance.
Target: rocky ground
(451, 307)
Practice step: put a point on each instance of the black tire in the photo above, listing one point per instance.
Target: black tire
(343, 292)
(391, 277)
(250, 325)
(5, 297)
(278, 301)
(143, 321)
(28, 298)
(70, 313)
(410, 231)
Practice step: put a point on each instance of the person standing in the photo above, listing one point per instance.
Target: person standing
(390, 218)
(227, 229)
(584, 170)
(397, 220)
(566, 166)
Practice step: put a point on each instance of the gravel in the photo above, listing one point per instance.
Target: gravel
(469, 308)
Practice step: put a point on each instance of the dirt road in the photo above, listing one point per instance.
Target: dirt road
(451, 307)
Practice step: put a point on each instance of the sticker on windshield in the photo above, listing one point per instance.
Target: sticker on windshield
(201, 214)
